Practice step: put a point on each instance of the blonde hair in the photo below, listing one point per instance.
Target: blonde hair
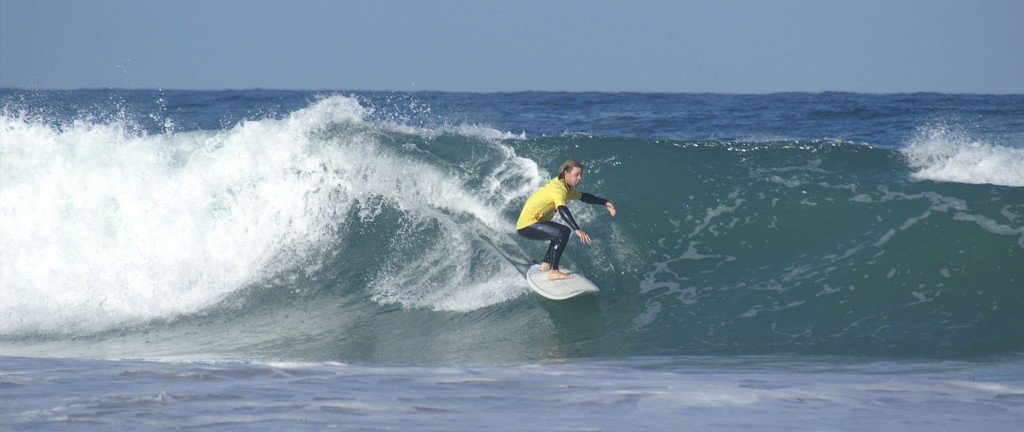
(567, 166)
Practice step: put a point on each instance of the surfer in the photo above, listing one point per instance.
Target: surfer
(535, 219)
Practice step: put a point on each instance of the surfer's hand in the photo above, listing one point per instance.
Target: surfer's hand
(583, 236)
(611, 208)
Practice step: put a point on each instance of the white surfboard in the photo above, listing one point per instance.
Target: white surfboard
(558, 289)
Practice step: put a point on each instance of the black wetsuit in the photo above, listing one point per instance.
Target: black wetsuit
(557, 233)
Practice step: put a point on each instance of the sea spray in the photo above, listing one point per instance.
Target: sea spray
(105, 226)
(941, 153)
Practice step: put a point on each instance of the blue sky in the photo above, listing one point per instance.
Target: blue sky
(679, 46)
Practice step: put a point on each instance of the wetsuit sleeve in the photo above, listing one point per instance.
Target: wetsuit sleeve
(591, 199)
(567, 216)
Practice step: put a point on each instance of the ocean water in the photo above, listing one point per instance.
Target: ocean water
(310, 260)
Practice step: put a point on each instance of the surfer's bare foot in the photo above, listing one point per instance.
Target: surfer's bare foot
(556, 275)
(545, 267)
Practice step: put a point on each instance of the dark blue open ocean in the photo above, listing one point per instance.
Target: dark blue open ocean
(222, 260)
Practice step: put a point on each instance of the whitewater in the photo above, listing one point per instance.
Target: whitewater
(349, 259)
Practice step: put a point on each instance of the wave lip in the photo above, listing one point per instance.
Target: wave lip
(941, 154)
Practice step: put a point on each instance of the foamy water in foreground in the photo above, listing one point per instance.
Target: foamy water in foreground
(638, 394)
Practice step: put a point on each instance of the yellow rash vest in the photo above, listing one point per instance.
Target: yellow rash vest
(541, 206)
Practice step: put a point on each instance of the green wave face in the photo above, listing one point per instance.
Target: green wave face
(369, 241)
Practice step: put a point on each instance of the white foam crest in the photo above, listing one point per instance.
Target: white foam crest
(101, 227)
(941, 154)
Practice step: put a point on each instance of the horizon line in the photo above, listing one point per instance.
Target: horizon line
(486, 92)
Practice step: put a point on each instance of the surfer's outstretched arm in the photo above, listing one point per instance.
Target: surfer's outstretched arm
(593, 199)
